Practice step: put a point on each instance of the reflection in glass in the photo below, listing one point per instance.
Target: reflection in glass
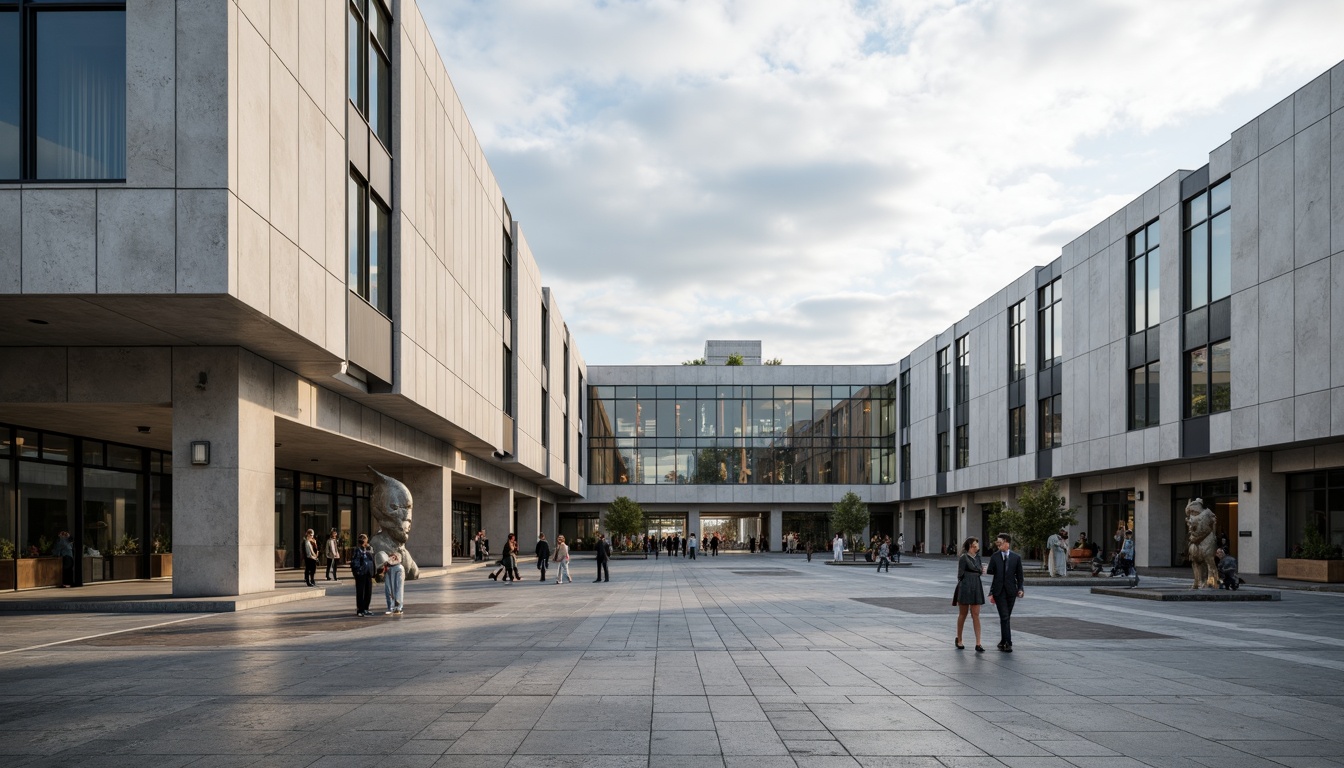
(380, 257)
(380, 96)
(113, 542)
(1197, 209)
(1197, 257)
(1220, 377)
(1138, 289)
(46, 496)
(1197, 368)
(1220, 197)
(1154, 283)
(9, 95)
(354, 39)
(81, 95)
(1220, 257)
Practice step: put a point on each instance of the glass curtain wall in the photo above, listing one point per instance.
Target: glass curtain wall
(466, 522)
(1106, 513)
(744, 435)
(1315, 500)
(304, 501)
(1219, 496)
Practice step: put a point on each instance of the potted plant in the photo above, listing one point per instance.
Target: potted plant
(161, 556)
(7, 564)
(280, 555)
(1315, 559)
(125, 558)
(36, 568)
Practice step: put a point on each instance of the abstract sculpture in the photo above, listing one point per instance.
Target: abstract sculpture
(1200, 524)
(391, 509)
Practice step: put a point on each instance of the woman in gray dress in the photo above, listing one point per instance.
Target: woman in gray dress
(970, 594)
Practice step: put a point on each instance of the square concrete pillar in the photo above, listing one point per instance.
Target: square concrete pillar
(693, 522)
(497, 516)
(550, 521)
(1152, 522)
(1261, 512)
(223, 511)
(776, 528)
(431, 542)
(529, 521)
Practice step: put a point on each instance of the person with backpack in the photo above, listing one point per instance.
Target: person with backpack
(361, 568)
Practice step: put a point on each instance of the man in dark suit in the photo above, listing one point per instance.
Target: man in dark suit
(603, 555)
(1006, 568)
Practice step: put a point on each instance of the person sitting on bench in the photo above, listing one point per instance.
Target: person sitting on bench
(1227, 570)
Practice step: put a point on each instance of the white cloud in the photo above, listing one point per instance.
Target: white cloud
(842, 180)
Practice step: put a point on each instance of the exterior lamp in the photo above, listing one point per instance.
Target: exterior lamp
(200, 453)
(1246, 486)
(1138, 495)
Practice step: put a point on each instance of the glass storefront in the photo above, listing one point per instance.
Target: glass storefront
(745, 435)
(580, 530)
(114, 501)
(466, 522)
(1107, 514)
(1315, 500)
(1219, 496)
(304, 500)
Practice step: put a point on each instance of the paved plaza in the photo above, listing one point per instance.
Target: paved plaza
(739, 661)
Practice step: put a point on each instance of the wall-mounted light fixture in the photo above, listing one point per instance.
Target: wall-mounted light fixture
(1138, 495)
(200, 453)
(202, 380)
(1246, 486)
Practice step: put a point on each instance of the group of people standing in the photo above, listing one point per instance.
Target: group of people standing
(675, 544)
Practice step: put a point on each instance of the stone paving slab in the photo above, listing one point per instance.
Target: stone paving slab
(1187, 595)
(681, 664)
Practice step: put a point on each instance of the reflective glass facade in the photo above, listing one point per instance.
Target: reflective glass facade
(746, 435)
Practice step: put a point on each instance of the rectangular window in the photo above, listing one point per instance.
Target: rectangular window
(1051, 425)
(1143, 396)
(545, 337)
(508, 381)
(368, 58)
(963, 370)
(62, 92)
(1208, 379)
(944, 452)
(963, 446)
(1017, 430)
(944, 381)
(1144, 263)
(508, 275)
(905, 462)
(905, 400)
(1208, 246)
(545, 419)
(1050, 323)
(369, 245)
(1017, 341)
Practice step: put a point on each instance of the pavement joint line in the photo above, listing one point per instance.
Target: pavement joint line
(105, 634)
(1300, 659)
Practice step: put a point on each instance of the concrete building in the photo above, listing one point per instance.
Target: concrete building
(246, 249)
(1186, 346)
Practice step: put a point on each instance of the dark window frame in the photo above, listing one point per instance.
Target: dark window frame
(369, 270)
(1144, 246)
(963, 447)
(358, 15)
(1150, 415)
(508, 275)
(1017, 341)
(963, 370)
(1199, 215)
(1217, 397)
(943, 379)
(1017, 431)
(1050, 324)
(1050, 422)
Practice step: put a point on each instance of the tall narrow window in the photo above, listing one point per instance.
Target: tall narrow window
(1209, 379)
(1017, 341)
(963, 446)
(963, 370)
(508, 381)
(1017, 430)
(944, 452)
(1143, 395)
(545, 337)
(1051, 426)
(369, 65)
(1144, 277)
(369, 244)
(62, 91)
(1050, 325)
(1208, 246)
(545, 419)
(508, 275)
(944, 380)
(905, 400)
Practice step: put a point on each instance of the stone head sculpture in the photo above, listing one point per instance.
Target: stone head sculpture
(390, 506)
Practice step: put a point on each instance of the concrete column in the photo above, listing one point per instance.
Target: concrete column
(550, 521)
(223, 512)
(497, 516)
(1152, 523)
(693, 522)
(1260, 511)
(776, 527)
(431, 542)
(933, 523)
(908, 527)
(529, 520)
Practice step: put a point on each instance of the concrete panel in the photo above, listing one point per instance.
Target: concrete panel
(284, 149)
(312, 41)
(1337, 181)
(1169, 293)
(431, 541)
(203, 241)
(1276, 221)
(334, 194)
(136, 241)
(1245, 427)
(254, 259)
(1276, 125)
(1337, 87)
(254, 120)
(1245, 145)
(312, 180)
(120, 375)
(150, 86)
(334, 68)
(1276, 339)
(258, 14)
(1245, 348)
(59, 241)
(1337, 411)
(1220, 432)
(202, 93)
(1245, 230)
(33, 375)
(336, 303)
(11, 241)
(1276, 422)
(1220, 161)
(1311, 415)
(284, 37)
(1311, 327)
(1311, 102)
(1337, 320)
(312, 300)
(1311, 194)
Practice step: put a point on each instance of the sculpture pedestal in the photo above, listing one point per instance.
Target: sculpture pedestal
(1242, 595)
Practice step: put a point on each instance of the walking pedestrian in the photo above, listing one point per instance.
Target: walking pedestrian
(900, 544)
(603, 554)
(1008, 585)
(310, 558)
(393, 584)
(543, 554)
(884, 555)
(714, 545)
(970, 592)
(333, 556)
(511, 559)
(1127, 557)
(361, 568)
(562, 560)
(810, 548)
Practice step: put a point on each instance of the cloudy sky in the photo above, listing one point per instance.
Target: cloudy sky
(842, 180)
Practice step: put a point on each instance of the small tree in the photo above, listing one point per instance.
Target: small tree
(774, 361)
(735, 359)
(696, 361)
(1040, 512)
(850, 516)
(625, 518)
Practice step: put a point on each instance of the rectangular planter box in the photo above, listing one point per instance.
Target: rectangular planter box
(161, 566)
(1324, 571)
(39, 572)
(7, 574)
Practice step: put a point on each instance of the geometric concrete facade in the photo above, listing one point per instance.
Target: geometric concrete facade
(1284, 317)
(224, 255)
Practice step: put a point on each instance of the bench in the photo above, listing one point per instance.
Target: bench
(1080, 558)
